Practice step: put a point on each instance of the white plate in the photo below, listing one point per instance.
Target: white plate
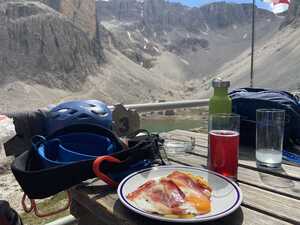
(226, 195)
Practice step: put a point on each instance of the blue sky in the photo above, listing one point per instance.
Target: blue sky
(259, 3)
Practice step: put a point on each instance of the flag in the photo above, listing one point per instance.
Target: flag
(278, 6)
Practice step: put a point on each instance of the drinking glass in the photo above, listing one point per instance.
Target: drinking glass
(224, 138)
(269, 136)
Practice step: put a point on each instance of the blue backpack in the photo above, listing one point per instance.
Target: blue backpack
(245, 101)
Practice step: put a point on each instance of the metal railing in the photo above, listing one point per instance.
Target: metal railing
(149, 107)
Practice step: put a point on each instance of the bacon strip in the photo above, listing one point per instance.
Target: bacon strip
(171, 196)
(143, 188)
(188, 181)
(177, 194)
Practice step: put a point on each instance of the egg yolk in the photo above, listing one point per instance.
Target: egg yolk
(201, 203)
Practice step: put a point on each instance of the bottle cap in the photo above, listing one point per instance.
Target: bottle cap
(219, 83)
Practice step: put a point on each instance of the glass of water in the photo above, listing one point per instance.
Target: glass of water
(269, 136)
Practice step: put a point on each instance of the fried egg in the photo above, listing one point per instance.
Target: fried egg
(177, 195)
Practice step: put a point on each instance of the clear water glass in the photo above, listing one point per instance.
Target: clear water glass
(269, 137)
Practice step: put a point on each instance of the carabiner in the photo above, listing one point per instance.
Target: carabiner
(102, 176)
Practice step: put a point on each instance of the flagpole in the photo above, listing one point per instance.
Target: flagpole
(252, 44)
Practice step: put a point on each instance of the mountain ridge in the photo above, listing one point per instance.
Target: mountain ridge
(199, 40)
(275, 61)
(149, 51)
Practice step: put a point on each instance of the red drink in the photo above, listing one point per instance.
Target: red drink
(223, 152)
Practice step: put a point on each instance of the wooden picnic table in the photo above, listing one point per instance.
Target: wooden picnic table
(270, 196)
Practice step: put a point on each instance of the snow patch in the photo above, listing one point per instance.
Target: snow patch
(184, 61)
(156, 49)
(129, 36)
(207, 27)
(205, 32)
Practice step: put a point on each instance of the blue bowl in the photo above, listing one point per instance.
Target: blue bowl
(71, 148)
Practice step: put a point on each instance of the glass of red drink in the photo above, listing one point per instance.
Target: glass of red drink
(224, 139)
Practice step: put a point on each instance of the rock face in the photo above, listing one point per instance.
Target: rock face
(50, 49)
(293, 14)
(82, 13)
(47, 57)
(40, 45)
(161, 15)
(181, 42)
(276, 61)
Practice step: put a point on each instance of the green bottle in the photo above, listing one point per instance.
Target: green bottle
(220, 102)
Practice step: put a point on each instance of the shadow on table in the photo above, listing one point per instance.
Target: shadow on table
(247, 153)
(97, 190)
(275, 181)
(236, 218)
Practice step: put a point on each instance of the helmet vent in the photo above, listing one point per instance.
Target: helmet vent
(83, 116)
(64, 110)
(99, 112)
(72, 111)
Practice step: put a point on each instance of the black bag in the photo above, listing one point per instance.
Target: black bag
(8, 216)
(39, 182)
(245, 101)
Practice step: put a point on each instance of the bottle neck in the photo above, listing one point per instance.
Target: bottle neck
(220, 91)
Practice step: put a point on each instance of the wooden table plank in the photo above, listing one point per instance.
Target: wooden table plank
(272, 204)
(105, 206)
(247, 156)
(266, 181)
(269, 202)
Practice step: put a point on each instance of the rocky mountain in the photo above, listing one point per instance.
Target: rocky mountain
(40, 45)
(276, 61)
(183, 43)
(119, 50)
(163, 15)
(48, 54)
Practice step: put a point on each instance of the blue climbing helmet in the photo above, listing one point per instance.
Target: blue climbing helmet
(78, 112)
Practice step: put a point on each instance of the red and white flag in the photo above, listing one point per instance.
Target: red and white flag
(278, 6)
